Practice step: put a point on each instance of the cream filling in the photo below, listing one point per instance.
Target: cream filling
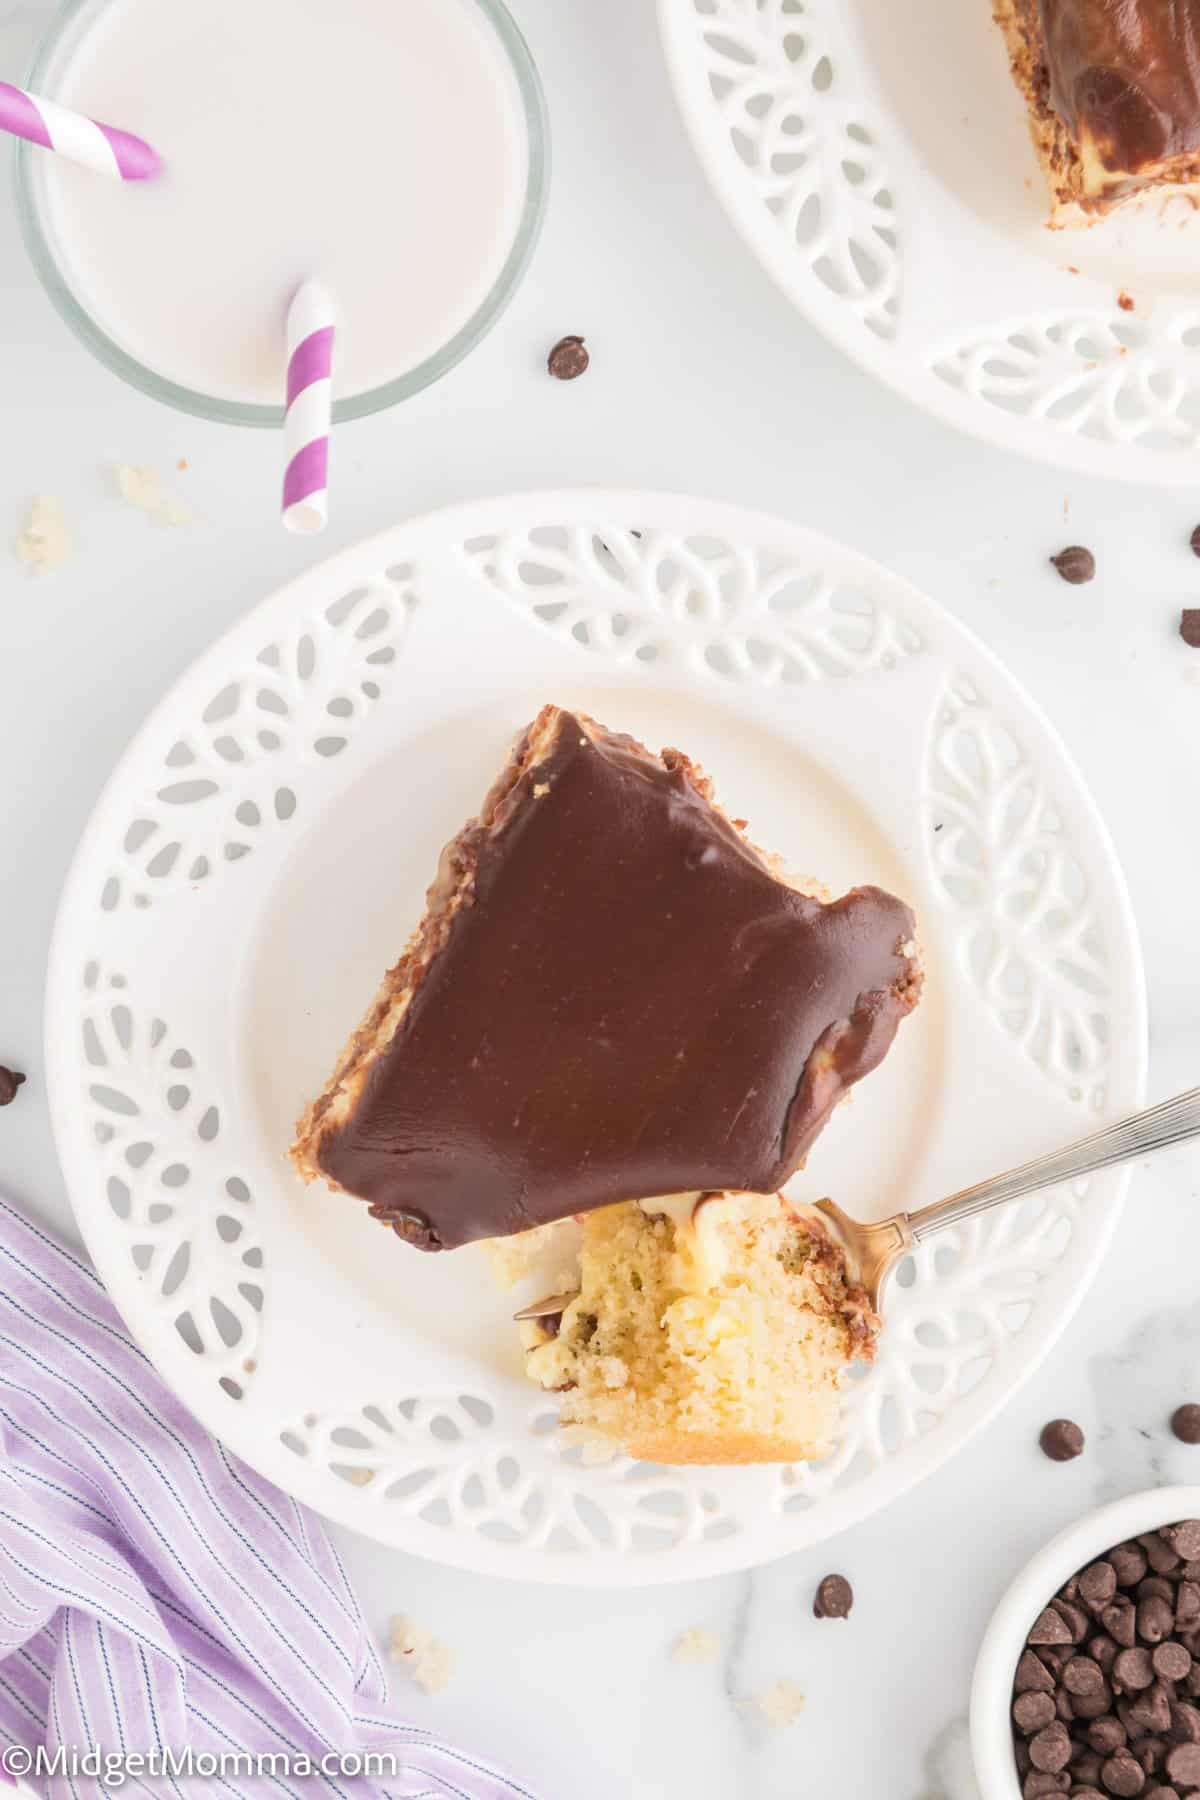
(701, 1259)
(699, 1263)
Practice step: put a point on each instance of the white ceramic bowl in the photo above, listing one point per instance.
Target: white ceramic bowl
(1034, 1587)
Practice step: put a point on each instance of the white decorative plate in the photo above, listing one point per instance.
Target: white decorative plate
(876, 157)
(261, 854)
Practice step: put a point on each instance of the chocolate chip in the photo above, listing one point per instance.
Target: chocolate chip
(1050, 1750)
(1171, 1661)
(1098, 1583)
(1183, 1765)
(1185, 1723)
(1189, 631)
(1050, 1628)
(1156, 1584)
(834, 1598)
(1185, 1420)
(1129, 1563)
(1093, 1706)
(1160, 1793)
(1073, 1617)
(1187, 1605)
(1032, 1711)
(1159, 1554)
(1184, 1537)
(1132, 1671)
(568, 359)
(1155, 1619)
(1106, 1735)
(1122, 1775)
(1032, 1677)
(410, 1226)
(1037, 1785)
(1075, 564)
(1056, 1656)
(1104, 1651)
(1085, 1768)
(1152, 1754)
(1087, 1793)
(10, 1081)
(1084, 1676)
(1149, 1714)
(1120, 1621)
(1062, 1440)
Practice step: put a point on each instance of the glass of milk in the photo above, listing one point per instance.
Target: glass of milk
(396, 149)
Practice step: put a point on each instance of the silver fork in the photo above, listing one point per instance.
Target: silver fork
(876, 1249)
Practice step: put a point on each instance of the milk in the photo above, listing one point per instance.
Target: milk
(378, 143)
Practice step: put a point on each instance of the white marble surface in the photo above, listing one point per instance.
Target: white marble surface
(702, 380)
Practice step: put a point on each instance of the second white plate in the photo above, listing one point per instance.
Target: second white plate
(261, 854)
(877, 159)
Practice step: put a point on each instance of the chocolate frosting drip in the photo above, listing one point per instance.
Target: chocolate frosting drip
(626, 1003)
(1125, 77)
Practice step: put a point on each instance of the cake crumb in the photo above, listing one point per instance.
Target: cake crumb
(594, 1450)
(614, 1371)
(45, 543)
(778, 1706)
(143, 488)
(426, 1660)
(696, 1645)
(547, 1257)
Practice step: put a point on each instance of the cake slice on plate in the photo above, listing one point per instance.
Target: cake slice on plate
(612, 995)
(614, 1035)
(1113, 90)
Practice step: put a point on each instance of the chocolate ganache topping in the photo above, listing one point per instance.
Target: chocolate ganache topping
(1125, 77)
(611, 997)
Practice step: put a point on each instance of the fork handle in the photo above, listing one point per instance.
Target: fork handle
(1171, 1122)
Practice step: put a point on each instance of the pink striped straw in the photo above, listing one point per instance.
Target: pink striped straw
(310, 323)
(99, 147)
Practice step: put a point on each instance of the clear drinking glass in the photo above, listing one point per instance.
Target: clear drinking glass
(73, 18)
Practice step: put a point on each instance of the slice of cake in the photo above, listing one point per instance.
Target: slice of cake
(1113, 89)
(708, 1328)
(612, 995)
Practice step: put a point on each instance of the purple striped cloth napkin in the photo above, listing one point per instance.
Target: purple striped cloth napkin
(156, 1597)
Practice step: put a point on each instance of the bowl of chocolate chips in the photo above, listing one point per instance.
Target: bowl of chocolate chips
(1088, 1679)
